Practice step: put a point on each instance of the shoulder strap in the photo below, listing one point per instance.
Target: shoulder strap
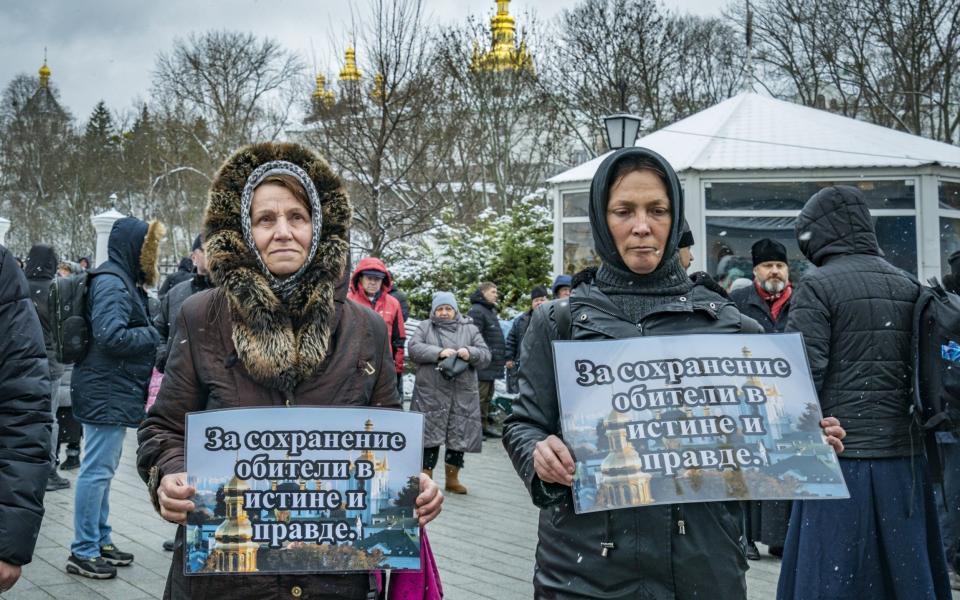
(563, 319)
(376, 341)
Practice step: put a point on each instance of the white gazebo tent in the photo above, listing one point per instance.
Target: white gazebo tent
(748, 165)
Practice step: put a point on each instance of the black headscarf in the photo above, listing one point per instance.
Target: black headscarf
(600, 197)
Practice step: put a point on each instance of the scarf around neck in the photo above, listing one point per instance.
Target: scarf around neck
(776, 301)
(637, 295)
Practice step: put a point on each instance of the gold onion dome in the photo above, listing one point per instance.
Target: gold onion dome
(379, 89)
(44, 73)
(321, 93)
(504, 54)
(350, 71)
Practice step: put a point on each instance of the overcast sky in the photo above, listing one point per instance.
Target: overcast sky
(105, 49)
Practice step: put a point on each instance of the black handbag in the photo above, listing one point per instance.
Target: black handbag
(452, 366)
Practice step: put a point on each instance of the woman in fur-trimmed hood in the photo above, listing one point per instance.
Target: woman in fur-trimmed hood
(277, 330)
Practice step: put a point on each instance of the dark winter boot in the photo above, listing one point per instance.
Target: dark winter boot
(55, 482)
(452, 483)
(73, 460)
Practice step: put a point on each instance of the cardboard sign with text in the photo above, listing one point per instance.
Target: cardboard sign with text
(693, 418)
(303, 490)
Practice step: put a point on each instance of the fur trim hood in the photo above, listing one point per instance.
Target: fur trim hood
(134, 246)
(281, 343)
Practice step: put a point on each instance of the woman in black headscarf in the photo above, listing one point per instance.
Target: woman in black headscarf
(654, 552)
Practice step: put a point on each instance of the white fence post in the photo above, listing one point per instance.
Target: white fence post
(103, 223)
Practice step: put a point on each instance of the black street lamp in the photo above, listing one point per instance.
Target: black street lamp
(622, 130)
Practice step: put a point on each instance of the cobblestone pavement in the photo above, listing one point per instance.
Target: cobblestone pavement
(484, 541)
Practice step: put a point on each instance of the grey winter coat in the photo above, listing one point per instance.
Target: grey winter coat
(451, 408)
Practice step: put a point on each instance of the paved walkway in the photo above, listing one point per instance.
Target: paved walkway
(484, 541)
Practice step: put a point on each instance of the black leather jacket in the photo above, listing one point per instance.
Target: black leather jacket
(651, 557)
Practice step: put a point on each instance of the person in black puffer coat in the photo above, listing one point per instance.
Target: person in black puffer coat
(484, 314)
(25, 422)
(41, 269)
(664, 552)
(855, 313)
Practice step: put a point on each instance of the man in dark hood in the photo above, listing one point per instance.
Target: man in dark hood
(855, 312)
(110, 385)
(663, 552)
(41, 269)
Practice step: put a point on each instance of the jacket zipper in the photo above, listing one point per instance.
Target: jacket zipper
(288, 398)
(606, 545)
(681, 523)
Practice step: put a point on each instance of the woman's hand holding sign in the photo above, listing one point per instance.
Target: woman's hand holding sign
(429, 501)
(174, 494)
(553, 462)
(834, 433)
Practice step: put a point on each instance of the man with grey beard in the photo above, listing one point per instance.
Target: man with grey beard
(768, 299)
(768, 302)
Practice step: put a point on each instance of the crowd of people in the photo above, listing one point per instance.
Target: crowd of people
(266, 311)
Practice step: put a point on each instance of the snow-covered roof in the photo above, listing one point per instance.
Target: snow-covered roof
(753, 132)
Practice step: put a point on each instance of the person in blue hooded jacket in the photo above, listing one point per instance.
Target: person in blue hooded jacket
(110, 385)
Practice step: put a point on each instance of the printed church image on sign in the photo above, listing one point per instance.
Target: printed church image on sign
(382, 534)
(789, 460)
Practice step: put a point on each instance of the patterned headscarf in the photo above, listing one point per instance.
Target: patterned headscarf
(281, 287)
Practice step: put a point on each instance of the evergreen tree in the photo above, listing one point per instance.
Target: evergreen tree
(514, 251)
(100, 154)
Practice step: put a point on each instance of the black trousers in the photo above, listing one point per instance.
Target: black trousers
(454, 458)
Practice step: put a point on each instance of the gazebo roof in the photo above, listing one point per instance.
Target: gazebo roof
(755, 132)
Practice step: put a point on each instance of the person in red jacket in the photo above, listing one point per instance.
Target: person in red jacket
(370, 286)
